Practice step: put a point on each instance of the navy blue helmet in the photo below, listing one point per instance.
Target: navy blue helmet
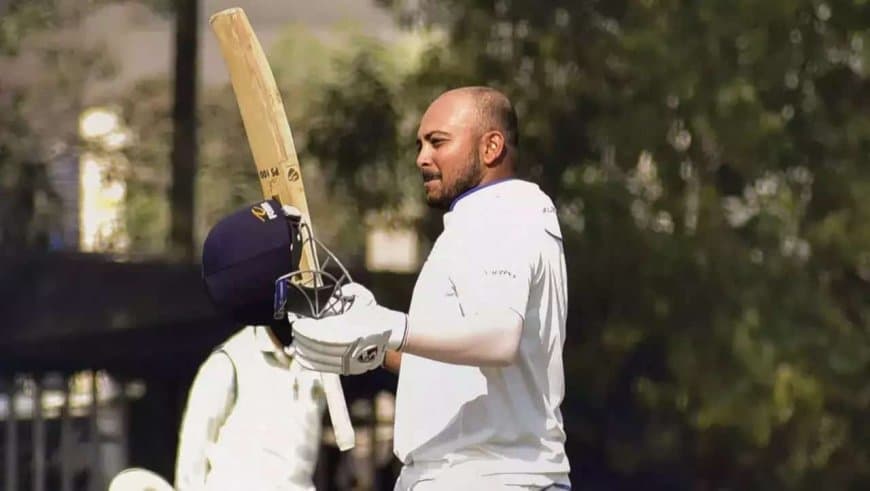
(250, 266)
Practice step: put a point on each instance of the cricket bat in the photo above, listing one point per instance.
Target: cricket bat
(275, 156)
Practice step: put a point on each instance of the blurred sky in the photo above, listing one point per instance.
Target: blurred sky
(140, 41)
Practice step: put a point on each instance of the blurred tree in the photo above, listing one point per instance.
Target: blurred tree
(25, 221)
(709, 161)
(310, 72)
(146, 110)
(353, 135)
(45, 66)
(225, 175)
(224, 180)
(709, 164)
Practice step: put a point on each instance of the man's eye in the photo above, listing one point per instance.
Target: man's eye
(437, 142)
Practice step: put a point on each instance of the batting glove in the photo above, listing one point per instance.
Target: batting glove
(350, 343)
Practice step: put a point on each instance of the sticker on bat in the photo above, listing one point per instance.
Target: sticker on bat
(267, 173)
(293, 174)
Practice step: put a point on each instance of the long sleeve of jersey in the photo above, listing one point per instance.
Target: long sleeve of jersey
(209, 402)
(492, 283)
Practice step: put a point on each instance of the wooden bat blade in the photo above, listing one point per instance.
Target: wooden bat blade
(274, 154)
(263, 115)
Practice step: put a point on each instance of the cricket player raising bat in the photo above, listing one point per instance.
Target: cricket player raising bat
(486, 326)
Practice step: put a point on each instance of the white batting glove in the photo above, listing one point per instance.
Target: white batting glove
(351, 343)
(350, 296)
(357, 296)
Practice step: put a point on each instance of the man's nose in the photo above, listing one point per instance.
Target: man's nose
(424, 158)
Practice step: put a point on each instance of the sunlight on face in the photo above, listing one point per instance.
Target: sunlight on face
(447, 149)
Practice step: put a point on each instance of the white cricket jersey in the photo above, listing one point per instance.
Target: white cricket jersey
(252, 421)
(501, 248)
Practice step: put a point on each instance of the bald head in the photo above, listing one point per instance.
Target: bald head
(467, 137)
(493, 111)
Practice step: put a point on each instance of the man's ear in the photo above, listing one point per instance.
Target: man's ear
(492, 147)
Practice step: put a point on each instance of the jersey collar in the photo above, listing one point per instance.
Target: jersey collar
(482, 196)
(265, 344)
(475, 189)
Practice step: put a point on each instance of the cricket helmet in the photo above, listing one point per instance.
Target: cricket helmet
(251, 267)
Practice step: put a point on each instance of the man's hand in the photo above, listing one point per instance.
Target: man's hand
(350, 343)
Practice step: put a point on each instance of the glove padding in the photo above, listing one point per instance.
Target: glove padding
(351, 343)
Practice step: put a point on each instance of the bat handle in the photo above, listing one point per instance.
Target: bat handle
(338, 414)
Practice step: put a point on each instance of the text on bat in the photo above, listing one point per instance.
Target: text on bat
(270, 172)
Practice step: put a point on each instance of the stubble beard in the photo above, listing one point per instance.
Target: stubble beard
(469, 177)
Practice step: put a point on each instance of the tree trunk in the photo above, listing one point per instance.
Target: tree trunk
(184, 143)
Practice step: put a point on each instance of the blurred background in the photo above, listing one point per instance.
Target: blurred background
(709, 161)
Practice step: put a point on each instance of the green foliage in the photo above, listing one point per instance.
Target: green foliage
(44, 68)
(22, 18)
(709, 160)
(350, 109)
(25, 218)
(225, 178)
(146, 111)
(308, 72)
(23, 180)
